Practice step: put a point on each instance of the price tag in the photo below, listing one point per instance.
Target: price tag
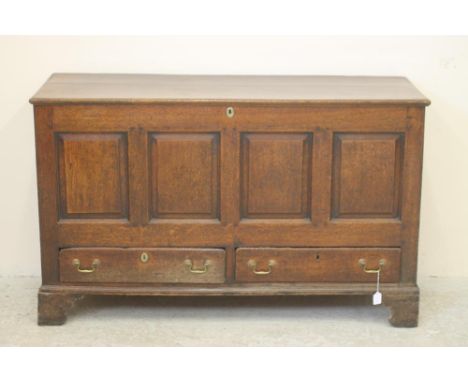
(377, 296)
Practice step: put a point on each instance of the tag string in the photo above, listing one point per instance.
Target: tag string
(378, 280)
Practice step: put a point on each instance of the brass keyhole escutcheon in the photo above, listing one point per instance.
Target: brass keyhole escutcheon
(144, 257)
(230, 112)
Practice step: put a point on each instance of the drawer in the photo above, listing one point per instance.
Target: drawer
(317, 264)
(142, 265)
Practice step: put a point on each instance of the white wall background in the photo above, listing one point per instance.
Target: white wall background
(437, 66)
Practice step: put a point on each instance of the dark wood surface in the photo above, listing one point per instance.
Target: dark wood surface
(93, 175)
(403, 300)
(371, 165)
(118, 265)
(134, 88)
(184, 175)
(316, 264)
(336, 175)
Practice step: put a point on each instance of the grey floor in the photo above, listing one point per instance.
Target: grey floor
(298, 321)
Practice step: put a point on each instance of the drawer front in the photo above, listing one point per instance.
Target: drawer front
(317, 264)
(142, 265)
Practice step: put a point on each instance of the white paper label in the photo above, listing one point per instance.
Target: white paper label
(377, 298)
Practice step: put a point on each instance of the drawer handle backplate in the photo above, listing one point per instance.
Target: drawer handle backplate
(253, 265)
(363, 262)
(198, 271)
(94, 265)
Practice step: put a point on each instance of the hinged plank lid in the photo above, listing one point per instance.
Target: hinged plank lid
(151, 88)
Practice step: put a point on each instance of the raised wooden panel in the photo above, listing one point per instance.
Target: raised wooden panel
(276, 175)
(367, 175)
(93, 178)
(185, 175)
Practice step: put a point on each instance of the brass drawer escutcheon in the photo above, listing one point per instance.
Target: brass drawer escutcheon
(76, 263)
(253, 265)
(199, 271)
(363, 262)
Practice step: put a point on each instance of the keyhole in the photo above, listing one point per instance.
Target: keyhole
(230, 112)
(317, 257)
(144, 257)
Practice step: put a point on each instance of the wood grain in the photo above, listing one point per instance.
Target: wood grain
(185, 175)
(403, 299)
(275, 173)
(210, 233)
(366, 175)
(134, 88)
(210, 117)
(52, 308)
(411, 193)
(48, 195)
(93, 175)
(239, 289)
(305, 166)
(316, 265)
(164, 265)
(138, 177)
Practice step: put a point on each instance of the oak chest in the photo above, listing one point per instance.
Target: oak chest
(228, 185)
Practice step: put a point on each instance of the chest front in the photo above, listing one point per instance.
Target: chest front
(229, 197)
